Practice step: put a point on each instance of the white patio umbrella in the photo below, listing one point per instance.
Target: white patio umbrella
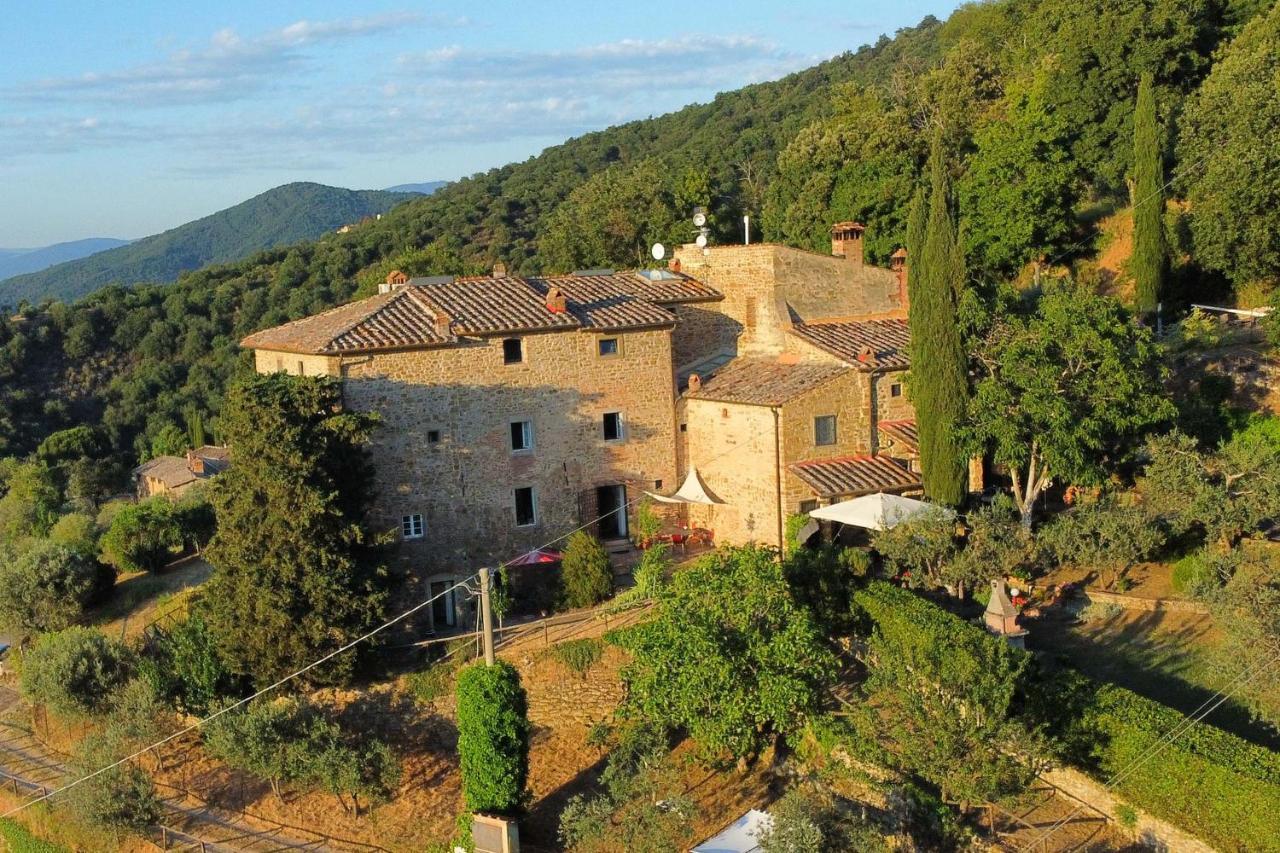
(878, 511)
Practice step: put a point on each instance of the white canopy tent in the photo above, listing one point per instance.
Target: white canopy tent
(740, 836)
(878, 511)
(691, 491)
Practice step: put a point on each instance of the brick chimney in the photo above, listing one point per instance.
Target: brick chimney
(442, 324)
(195, 464)
(556, 301)
(898, 263)
(695, 383)
(395, 279)
(499, 269)
(674, 265)
(846, 241)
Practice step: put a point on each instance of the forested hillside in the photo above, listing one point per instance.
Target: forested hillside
(19, 261)
(1034, 99)
(277, 217)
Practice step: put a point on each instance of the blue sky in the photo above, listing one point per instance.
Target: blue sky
(125, 119)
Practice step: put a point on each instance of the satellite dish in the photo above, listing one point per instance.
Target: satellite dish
(699, 219)
(659, 251)
(701, 241)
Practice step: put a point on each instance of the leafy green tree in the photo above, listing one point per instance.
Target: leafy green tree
(171, 440)
(822, 580)
(995, 544)
(493, 738)
(184, 666)
(266, 738)
(1150, 255)
(585, 571)
(1248, 611)
(68, 444)
(30, 502)
(1225, 495)
(1018, 193)
(122, 796)
(920, 549)
(1070, 390)
(295, 570)
(1106, 534)
(143, 537)
(76, 530)
(939, 380)
(75, 671)
(731, 656)
(48, 587)
(810, 819)
(194, 420)
(1230, 156)
(368, 770)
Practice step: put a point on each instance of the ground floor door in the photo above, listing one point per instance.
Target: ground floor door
(443, 613)
(611, 501)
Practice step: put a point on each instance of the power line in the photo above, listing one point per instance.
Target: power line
(1196, 716)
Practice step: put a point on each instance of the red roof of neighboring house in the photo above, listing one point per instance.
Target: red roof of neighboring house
(850, 476)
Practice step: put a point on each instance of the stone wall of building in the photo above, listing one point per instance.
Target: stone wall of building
(444, 446)
(887, 406)
(703, 331)
(734, 448)
(746, 277)
(848, 398)
(270, 361)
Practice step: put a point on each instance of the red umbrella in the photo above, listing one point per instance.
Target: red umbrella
(533, 558)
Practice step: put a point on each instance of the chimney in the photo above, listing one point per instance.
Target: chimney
(898, 263)
(556, 301)
(395, 279)
(867, 356)
(846, 241)
(195, 464)
(695, 383)
(442, 324)
(674, 265)
(499, 269)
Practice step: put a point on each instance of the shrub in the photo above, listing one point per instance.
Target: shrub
(823, 580)
(810, 819)
(142, 537)
(1127, 816)
(585, 571)
(1100, 611)
(75, 671)
(646, 524)
(261, 738)
(432, 683)
(578, 656)
(184, 666)
(121, 796)
(76, 530)
(493, 738)
(47, 587)
(1203, 573)
(651, 572)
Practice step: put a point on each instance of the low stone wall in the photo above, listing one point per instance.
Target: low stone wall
(1134, 602)
(1149, 831)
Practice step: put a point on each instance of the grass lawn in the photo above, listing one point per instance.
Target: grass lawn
(1164, 656)
(18, 839)
(140, 599)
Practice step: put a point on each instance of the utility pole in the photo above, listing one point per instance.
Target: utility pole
(486, 614)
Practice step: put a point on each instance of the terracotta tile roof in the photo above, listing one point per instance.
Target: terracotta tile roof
(903, 434)
(401, 318)
(850, 476)
(175, 471)
(887, 339)
(764, 382)
(435, 311)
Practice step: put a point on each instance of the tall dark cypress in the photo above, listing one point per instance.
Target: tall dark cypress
(939, 376)
(1150, 256)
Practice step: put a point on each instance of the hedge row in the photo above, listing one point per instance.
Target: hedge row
(1211, 783)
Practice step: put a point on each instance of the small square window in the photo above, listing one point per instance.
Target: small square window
(684, 427)
(807, 507)
(824, 430)
(433, 436)
(521, 436)
(613, 426)
(411, 526)
(526, 507)
(512, 351)
(657, 484)
(895, 390)
(608, 346)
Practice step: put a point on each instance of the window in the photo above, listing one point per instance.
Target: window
(526, 507)
(433, 436)
(521, 436)
(824, 429)
(279, 365)
(807, 507)
(613, 426)
(684, 427)
(608, 346)
(512, 351)
(411, 526)
(301, 370)
(895, 390)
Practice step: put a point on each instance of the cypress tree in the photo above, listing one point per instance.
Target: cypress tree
(1149, 253)
(939, 380)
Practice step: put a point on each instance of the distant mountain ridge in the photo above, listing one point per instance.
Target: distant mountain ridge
(19, 261)
(425, 188)
(278, 217)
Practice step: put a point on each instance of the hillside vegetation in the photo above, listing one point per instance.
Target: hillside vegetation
(1033, 98)
(19, 261)
(277, 217)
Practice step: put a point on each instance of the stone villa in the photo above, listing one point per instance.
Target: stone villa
(517, 409)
